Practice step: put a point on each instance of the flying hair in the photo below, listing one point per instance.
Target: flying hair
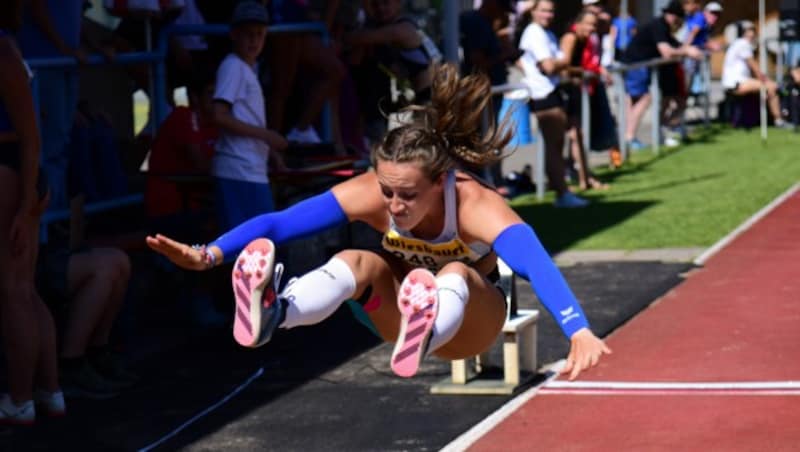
(447, 133)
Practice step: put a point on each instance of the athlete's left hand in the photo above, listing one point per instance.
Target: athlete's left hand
(180, 254)
(584, 352)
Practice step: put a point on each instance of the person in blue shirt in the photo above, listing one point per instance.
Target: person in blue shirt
(430, 286)
(698, 27)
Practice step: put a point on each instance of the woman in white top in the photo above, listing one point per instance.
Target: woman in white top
(741, 75)
(541, 62)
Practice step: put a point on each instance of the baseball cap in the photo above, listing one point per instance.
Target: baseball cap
(713, 7)
(590, 2)
(248, 11)
(674, 7)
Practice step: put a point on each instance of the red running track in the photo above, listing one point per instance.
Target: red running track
(737, 319)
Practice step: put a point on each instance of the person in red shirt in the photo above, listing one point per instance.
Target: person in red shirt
(181, 156)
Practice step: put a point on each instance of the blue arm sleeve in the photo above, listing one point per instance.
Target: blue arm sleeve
(519, 247)
(303, 219)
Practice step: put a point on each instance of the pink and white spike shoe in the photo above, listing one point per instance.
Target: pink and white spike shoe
(418, 302)
(255, 280)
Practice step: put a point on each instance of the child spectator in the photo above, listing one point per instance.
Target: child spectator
(183, 146)
(245, 144)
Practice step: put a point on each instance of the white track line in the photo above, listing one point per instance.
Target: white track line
(714, 249)
(745, 388)
(671, 392)
(641, 385)
(476, 432)
(213, 407)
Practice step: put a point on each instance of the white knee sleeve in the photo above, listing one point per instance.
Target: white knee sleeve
(453, 297)
(316, 295)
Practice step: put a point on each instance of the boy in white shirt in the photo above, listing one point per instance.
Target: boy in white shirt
(245, 143)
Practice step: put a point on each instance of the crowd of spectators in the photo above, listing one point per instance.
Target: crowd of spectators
(255, 99)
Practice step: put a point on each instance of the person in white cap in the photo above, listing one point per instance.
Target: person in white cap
(699, 23)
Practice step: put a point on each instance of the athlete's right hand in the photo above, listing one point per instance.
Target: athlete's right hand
(180, 254)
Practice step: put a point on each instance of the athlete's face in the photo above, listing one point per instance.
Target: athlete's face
(408, 192)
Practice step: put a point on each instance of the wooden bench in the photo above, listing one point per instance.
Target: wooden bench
(516, 344)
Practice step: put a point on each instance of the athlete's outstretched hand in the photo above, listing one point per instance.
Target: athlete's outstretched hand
(179, 253)
(584, 352)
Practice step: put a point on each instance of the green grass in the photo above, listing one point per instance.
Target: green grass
(689, 197)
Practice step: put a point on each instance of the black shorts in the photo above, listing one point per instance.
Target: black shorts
(553, 100)
(671, 80)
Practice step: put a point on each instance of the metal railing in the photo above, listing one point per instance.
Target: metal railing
(655, 92)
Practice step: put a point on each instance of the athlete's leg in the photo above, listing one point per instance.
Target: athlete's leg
(483, 313)
(317, 294)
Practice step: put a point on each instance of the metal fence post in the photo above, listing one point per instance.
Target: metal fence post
(655, 93)
(586, 123)
(622, 120)
(705, 68)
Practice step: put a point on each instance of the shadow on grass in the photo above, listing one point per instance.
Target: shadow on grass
(662, 186)
(558, 229)
(701, 136)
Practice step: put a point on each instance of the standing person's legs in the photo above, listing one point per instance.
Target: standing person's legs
(637, 85)
(553, 123)
(18, 315)
(321, 61)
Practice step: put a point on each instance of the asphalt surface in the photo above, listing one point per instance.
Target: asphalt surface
(326, 387)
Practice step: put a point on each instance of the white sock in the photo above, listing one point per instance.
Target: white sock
(453, 297)
(316, 295)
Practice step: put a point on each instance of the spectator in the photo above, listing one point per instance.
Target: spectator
(483, 49)
(485, 52)
(699, 23)
(622, 30)
(573, 46)
(598, 55)
(393, 61)
(86, 288)
(741, 75)
(52, 28)
(183, 146)
(28, 332)
(541, 62)
(292, 55)
(655, 40)
(245, 143)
